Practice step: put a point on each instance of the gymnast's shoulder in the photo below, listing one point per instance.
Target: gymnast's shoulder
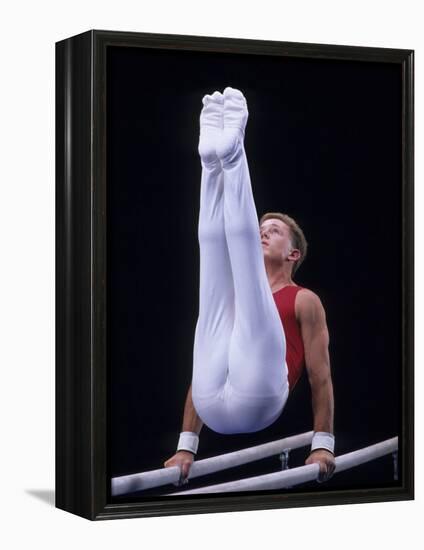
(308, 306)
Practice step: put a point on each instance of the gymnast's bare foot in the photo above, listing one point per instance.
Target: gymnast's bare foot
(211, 125)
(235, 120)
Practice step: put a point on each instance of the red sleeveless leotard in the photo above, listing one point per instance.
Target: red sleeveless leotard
(295, 352)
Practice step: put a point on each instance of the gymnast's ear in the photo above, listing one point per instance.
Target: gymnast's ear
(294, 255)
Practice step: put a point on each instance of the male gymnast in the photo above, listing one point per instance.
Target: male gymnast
(257, 328)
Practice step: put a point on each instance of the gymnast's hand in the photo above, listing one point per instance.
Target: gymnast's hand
(326, 461)
(184, 460)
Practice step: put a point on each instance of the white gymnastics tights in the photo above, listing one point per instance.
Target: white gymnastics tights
(239, 371)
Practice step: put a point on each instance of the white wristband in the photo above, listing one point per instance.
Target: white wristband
(189, 441)
(323, 440)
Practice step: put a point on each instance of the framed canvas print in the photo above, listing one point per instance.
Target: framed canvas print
(234, 240)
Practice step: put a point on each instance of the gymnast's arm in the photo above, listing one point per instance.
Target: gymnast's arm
(311, 316)
(191, 423)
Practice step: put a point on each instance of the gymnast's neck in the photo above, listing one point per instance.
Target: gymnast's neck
(279, 274)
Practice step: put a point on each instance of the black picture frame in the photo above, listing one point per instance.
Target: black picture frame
(81, 276)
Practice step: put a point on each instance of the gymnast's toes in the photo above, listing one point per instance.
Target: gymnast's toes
(216, 98)
(234, 94)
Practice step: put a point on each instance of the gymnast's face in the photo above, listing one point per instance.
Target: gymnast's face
(275, 239)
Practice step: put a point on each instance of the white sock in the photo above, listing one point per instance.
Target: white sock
(235, 120)
(211, 125)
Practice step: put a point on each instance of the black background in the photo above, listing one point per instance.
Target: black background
(323, 143)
